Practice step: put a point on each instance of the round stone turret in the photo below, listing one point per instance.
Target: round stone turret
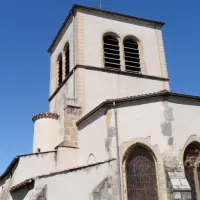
(46, 131)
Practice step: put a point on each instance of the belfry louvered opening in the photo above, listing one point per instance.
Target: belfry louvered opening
(67, 60)
(59, 69)
(132, 57)
(111, 52)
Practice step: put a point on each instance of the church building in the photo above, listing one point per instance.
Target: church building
(114, 130)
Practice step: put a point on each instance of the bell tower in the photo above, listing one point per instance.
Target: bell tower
(99, 55)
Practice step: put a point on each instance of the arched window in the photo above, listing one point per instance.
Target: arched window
(141, 177)
(59, 62)
(67, 59)
(111, 52)
(192, 168)
(131, 54)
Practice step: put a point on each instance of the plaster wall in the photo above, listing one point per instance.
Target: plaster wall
(46, 129)
(100, 86)
(65, 36)
(5, 184)
(141, 120)
(60, 101)
(169, 124)
(96, 24)
(34, 165)
(92, 140)
(67, 158)
(186, 114)
(65, 185)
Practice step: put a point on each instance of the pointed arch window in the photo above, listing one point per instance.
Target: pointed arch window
(131, 54)
(67, 59)
(192, 168)
(60, 74)
(141, 179)
(111, 52)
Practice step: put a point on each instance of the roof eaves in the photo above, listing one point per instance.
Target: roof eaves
(16, 159)
(10, 166)
(98, 10)
(28, 181)
(75, 168)
(134, 98)
(117, 13)
(119, 100)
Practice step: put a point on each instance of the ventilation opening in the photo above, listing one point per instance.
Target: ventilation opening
(132, 58)
(59, 70)
(67, 61)
(111, 53)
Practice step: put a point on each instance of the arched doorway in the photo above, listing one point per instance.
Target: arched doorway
(141, 179)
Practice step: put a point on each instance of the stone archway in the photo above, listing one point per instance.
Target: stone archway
(141, 179)
(192, 168)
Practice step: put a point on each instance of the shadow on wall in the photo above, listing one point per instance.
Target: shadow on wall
(107, 189)
(29, 192)
(21, 193)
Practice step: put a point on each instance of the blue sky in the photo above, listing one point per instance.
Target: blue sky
(26, 31)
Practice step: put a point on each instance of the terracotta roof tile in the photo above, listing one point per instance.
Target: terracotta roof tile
(45, 115)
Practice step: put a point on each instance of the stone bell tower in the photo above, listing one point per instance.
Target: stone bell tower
(98, 55)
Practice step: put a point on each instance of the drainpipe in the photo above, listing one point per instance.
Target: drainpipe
(118, 156)
(74, 57)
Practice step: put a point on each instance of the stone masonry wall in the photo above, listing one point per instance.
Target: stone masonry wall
(71, 114)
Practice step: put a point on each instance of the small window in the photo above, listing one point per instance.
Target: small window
(59, 70)
(132, 57)
(111, 53)
(67, 60)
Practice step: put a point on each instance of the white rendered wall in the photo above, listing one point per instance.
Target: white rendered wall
(95, 25)
(142, 121)
(92, 140)
(100, 86)
(147, 120)
(175, 119)
(186, 122)
(61, 99)
(66, 36)
(33, 165)
(67, 158)
(78, 184)
(46, 134)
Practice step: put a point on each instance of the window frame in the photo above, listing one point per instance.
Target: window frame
(115, 37)
(59, 70)
(135, 40)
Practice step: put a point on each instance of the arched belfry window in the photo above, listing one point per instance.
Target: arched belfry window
(111, 52)
(59, 63)
(141, 179)
(131, 54)
(67, 59)
(192, 168)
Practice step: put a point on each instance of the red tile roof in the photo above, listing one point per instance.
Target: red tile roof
(45, 115)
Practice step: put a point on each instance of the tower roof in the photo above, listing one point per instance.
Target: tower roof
(76, 6)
